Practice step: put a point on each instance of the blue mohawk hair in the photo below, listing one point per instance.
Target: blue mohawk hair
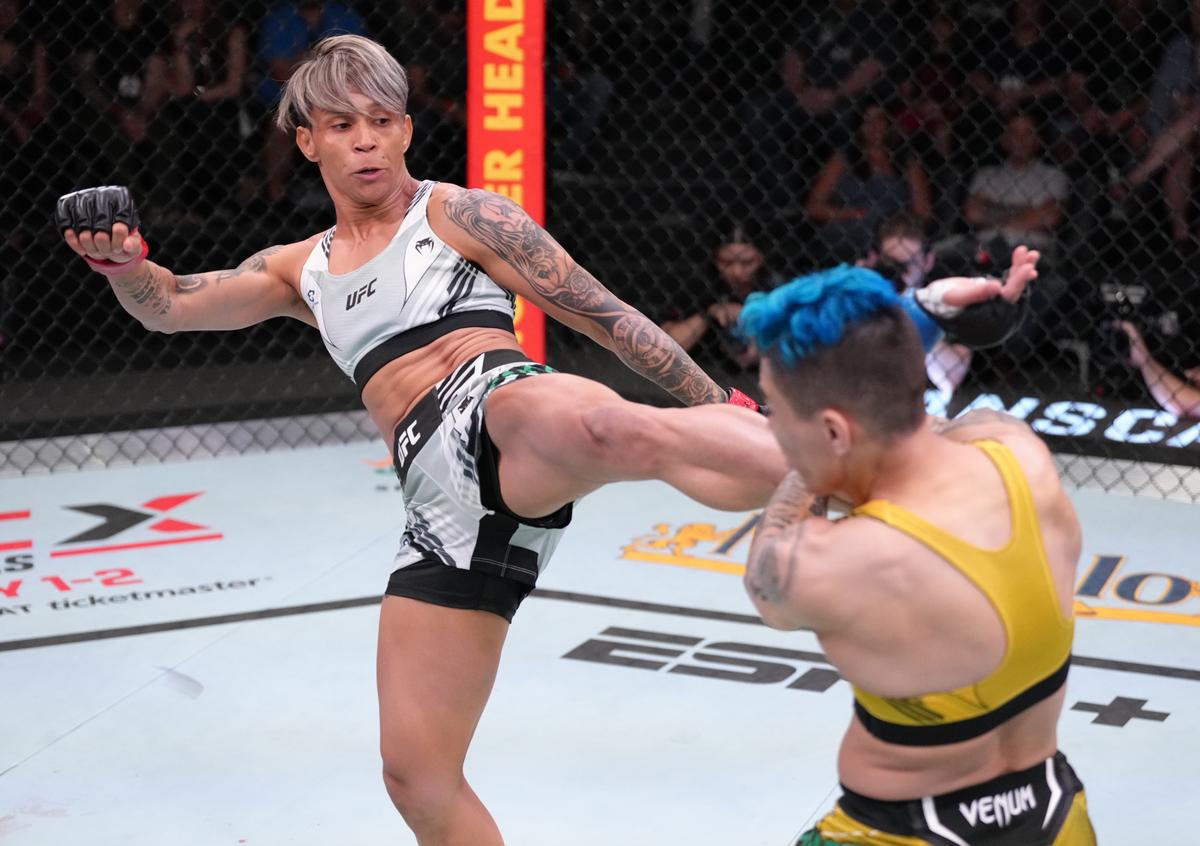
(814, 311)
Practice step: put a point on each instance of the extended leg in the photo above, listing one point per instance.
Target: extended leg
(562, 436)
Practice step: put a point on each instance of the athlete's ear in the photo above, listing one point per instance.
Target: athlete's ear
(304, 140)
(837, 430)
(408, 132)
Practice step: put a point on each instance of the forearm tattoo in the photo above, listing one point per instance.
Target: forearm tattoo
(771, 566)
(152, 287)
(257, 263)
(146, 289)
(503, 227)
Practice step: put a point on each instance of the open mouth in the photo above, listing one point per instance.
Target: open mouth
(368, 171)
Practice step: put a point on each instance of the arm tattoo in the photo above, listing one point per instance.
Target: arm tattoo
(257, 263)
(145, 290)
(152, 288)
(769, 571)
(503, 227)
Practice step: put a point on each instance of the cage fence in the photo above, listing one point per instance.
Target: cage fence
(696, 151)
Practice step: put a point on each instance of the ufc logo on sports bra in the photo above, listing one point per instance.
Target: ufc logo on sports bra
(356, 297)
(409, 438)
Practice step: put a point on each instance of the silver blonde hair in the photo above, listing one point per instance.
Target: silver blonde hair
(337, 66)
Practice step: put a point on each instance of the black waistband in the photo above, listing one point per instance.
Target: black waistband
(956, 732)
(499, 358)
(1041, 794)
(411, 339)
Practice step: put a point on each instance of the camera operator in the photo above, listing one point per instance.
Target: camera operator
(902, 254)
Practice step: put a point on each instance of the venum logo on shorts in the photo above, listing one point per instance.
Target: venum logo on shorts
(356, 297)
(423, 245)
(1000, 809)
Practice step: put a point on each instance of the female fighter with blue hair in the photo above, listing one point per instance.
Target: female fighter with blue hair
(944, 598)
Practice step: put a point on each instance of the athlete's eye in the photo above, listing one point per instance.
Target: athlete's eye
(383, 121)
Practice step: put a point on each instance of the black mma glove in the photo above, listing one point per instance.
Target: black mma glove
(978, 326)
(96, 210)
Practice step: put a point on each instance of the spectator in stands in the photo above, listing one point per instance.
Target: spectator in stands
(833, 61)
(931, 87)
(1023, 72)
(437, 78)
(865, 182)
(64, 158)
(287, 32)
(24, 77)
(1115, 50)
(122, 73)
(829, 68)
(577, 90)
(703, 325)
(24, 104)
(1022, 199)
(902, 254)
(1173, 119)
(201, 123)
(1179, 396)
(980, 23)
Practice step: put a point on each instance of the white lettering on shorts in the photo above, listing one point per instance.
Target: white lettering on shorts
(1000, 808)
(409, 438)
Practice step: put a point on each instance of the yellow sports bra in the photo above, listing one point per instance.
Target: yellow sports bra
(1016, 580)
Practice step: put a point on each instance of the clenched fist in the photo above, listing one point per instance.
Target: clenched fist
(101, 226)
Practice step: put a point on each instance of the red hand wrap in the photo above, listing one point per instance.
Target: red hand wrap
(736, 397)
(116, 268)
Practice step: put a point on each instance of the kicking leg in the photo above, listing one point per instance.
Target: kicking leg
(562, 436)
(436, 667)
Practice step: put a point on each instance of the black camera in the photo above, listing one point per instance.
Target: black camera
(893, 271)
(1122, 302)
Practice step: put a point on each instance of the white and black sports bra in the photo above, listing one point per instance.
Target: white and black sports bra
(416, 290)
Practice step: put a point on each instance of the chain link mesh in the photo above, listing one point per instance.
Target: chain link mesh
(696, 150)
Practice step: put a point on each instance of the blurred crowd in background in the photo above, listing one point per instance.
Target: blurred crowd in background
(698, 150)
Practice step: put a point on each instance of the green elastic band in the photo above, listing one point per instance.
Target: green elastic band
(519, 371)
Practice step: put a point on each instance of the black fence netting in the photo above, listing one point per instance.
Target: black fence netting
(697, 150)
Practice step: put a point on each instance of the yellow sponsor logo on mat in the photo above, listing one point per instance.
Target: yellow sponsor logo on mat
(1108, 589)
